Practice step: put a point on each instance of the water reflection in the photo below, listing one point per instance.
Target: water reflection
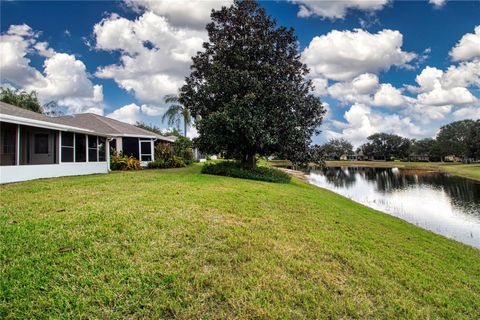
(442, 203)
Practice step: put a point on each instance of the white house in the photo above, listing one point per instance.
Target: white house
(35, 146)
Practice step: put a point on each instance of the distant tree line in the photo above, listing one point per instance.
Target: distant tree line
(459, 139)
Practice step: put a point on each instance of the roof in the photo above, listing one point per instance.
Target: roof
(84, 122)
(13, 114)
(109, 126)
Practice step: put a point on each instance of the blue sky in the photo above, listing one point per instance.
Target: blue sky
(405, 67)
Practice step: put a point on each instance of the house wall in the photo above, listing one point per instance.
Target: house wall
(28, 172)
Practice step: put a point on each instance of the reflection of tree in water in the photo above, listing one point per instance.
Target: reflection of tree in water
(463, 192)
(340, 177)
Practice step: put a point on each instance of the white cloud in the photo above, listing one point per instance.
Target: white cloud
(336, 9)
(437, 88)
(389, 96)
(468, 47)
(437, 3)
(472, 112)
(343, 55)
(465, 74)
(155, 56)
(362, 122)
(129, 113)
(320, 86)
(64, 78)
(153, 111)
(183, 13)
(440, 96)
(356, 91)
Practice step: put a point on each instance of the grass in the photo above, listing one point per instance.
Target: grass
(471, 171)
(176, 243)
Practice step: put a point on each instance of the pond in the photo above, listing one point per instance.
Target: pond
(442, 203)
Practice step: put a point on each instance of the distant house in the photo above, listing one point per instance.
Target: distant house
(35, 146)
(420, 158)
(452, 158)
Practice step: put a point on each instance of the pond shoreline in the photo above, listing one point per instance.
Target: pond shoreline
(469, 171)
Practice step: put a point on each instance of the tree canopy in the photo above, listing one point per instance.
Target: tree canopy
(248, 89)
(29, 101)
(335, 148)
(453, 138)
(387, 145)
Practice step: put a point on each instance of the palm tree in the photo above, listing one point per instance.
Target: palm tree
(176, 112)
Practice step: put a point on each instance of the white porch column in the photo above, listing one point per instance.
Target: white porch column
(17, 147)
(151, 150)
(119, 144)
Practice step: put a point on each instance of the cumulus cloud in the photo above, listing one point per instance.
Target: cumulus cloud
(132, 113)
(64, 77)
(468, 47)
(182, 13)
(472, 112)
(129, 113)
(357, 90)
(336, 9)
(437, 88)
(389, 96)
(155, 56)
(343, 55)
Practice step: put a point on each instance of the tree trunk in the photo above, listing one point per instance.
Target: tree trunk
(249, 161)
(185, 127)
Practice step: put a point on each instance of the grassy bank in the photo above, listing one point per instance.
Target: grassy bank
(175, 243)
(471, 171)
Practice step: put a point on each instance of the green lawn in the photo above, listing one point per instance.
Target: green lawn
(175, 243)
(471, 171)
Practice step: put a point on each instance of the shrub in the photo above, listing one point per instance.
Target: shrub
(163, 151)
(233, 169)
(182, 147)
(173, 162)
(123, 162)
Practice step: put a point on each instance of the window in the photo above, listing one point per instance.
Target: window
(41, 143)
(80, 148)
(146, 150)
(8, 141)
(101, 148)
(67, 147)
(92, 149)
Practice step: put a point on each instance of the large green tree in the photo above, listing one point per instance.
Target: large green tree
(248, 89)
(387, 145)
(453, 138)
(473, 141)
(335, 148)
(426, 147)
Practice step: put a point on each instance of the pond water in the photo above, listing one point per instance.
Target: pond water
(442, 203)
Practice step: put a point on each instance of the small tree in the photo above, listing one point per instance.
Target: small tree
(248, 89)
